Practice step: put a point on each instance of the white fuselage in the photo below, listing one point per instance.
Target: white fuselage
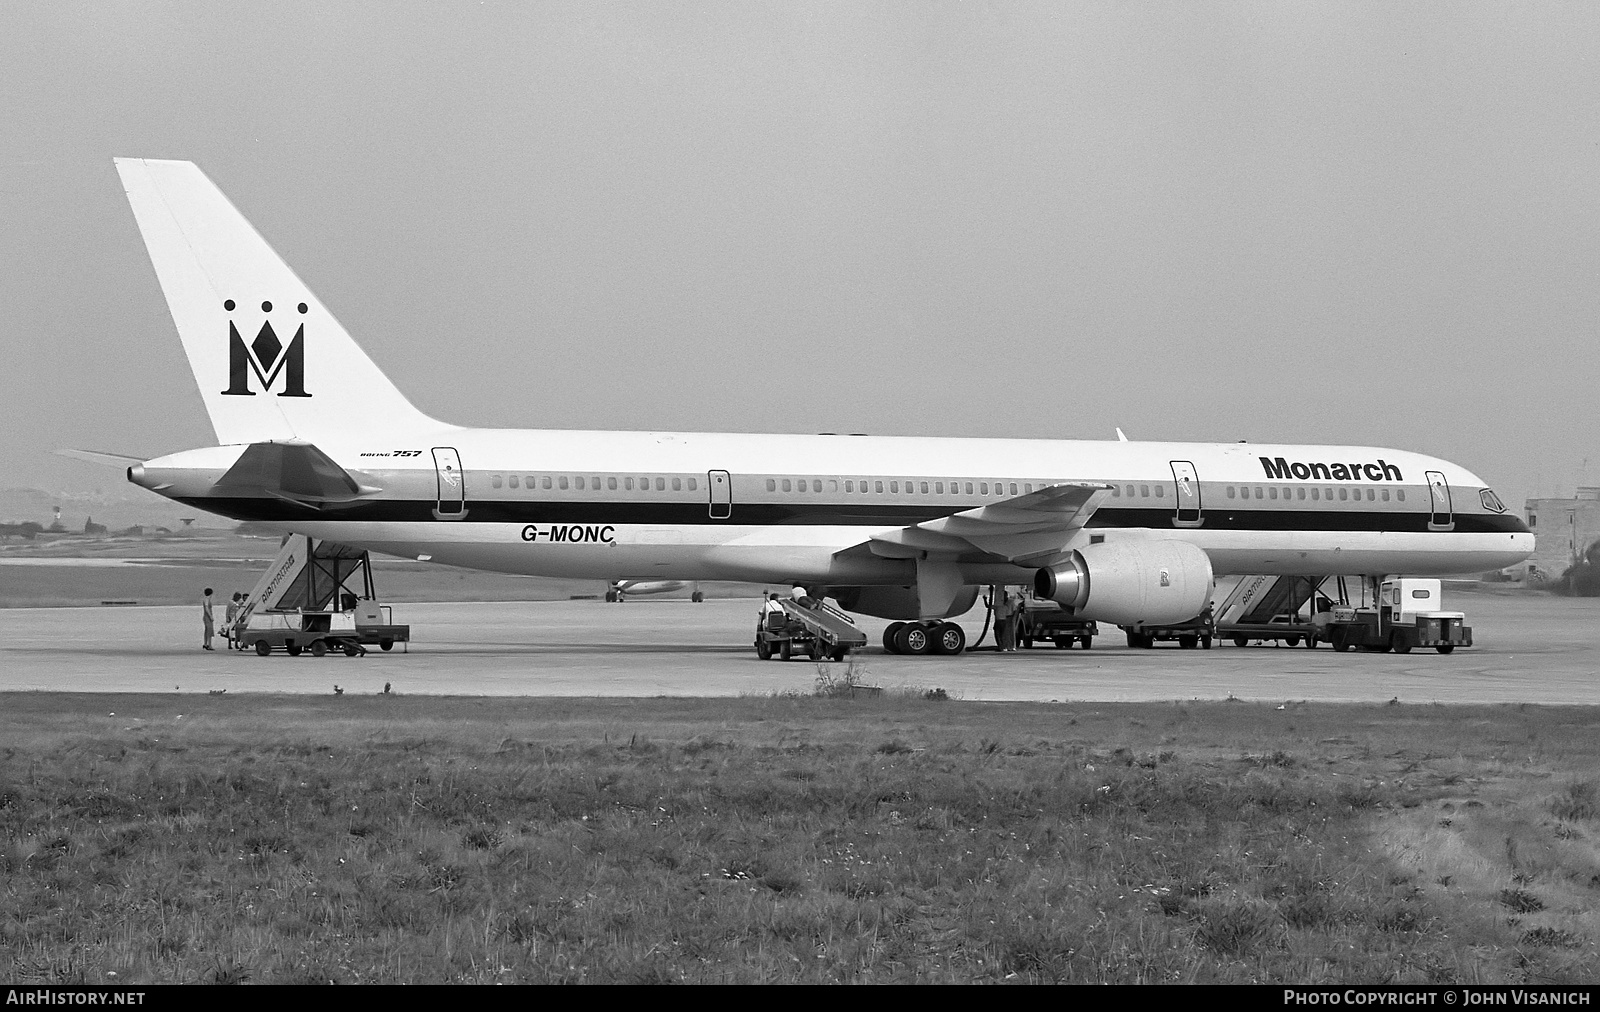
(799, 509)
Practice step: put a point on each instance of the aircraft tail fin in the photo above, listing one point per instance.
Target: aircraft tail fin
(270, 360)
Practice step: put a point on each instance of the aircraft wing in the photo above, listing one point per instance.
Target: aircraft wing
(1029, 528)
(98, 457)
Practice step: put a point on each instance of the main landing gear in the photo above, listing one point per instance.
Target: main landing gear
(945, 638)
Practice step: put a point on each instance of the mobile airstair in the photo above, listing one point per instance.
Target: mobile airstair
(818, 630)
(316, 596)
(1267, 609)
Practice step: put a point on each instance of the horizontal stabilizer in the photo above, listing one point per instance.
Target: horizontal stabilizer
(297, 472)
(117, 460)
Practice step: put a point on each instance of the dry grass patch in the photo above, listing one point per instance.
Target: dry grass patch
(794, 839)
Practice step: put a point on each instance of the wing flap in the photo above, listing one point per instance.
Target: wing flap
(1028, 527)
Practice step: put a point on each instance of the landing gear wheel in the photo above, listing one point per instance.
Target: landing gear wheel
(293, 648)
(1446, 648)
(1241, 641)
(949, 639)
(913, 639)
(1293, 641)
(1188, 642)
(785, 650)
(696, 597)
(386, 645)
(611, 597)
(319, 648)
(891, 637)
(764, 650)
(1205, 643)
(263, 648)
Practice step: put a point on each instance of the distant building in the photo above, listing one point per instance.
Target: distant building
(1564, 529)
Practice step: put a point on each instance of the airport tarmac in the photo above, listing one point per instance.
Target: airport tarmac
(1533, 648)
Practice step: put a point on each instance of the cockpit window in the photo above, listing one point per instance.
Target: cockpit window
(1491, 501)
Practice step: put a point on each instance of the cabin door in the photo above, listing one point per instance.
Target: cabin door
(721, 486)
(452, 484)
(1187, 483)
(1442, 518)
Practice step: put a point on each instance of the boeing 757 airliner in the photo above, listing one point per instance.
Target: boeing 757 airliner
(314, 439)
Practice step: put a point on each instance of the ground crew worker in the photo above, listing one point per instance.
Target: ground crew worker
(229, 616)
(1005, 636)
(207, 619)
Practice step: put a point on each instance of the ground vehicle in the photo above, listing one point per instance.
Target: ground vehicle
(1404, 617)
(816, 629)
(316, 596)
(1197, 632)
(366, 623)
(1271, 608)
(1046, 620)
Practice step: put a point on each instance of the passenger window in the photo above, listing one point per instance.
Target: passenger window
(833, 485)
(816, 484)
(786, 485)
(969, 488)
(1316, 493)
(924, 488)
(644, 483)
(611, 483)
(545, 482)
(877, 486)
(692, 485)
(627, 483)
(1230, 491)
(1130, 491)
(527, 481)
(512, 481)
(1400, 493)
(494, 481)
(938, 487)
(983, 488)
(1028, 487)
(910, 487)
(1371, 495)
(563, 483)
(1116, 492)
(661, 484)
(1013, 488)
(1385, 495)
(1272, 493)
(849, 486)
(578, 483)
(1161, 490)
(1344, 494)
(1300, 493)
(894, 486)
(1144, 491)
(677, 484)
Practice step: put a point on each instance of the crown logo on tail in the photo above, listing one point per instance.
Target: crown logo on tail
(267, 357)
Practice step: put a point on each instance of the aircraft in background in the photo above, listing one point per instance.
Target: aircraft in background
(621, 590)
(314, 439)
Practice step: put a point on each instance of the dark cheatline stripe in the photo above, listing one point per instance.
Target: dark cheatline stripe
(819, 514)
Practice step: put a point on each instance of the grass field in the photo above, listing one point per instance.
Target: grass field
(387, 839)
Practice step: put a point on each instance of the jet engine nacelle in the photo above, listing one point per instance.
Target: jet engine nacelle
(1133, 583)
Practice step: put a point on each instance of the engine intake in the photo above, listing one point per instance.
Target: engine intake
(1132, 583)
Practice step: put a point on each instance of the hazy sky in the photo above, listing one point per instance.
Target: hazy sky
(1370, 223)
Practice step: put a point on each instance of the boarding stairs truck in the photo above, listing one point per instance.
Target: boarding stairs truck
(1405, 614)
(1277, 609)
(316, 596)
(813, 627)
